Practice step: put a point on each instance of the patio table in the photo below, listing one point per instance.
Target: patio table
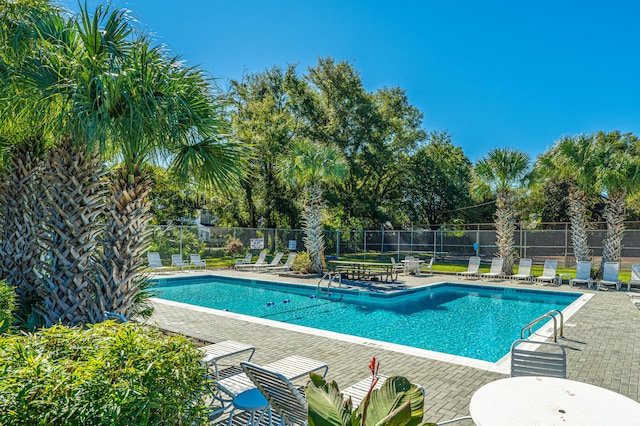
(365, 270)
(550, 401)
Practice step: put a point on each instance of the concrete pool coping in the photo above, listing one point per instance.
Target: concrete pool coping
(500, 366)
(602, 341)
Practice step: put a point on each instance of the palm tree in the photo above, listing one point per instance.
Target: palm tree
(501, 173)
(618, 176)
(121, 99)
(574, 159)
(310, 165)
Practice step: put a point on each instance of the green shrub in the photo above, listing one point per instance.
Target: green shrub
(234, 246)
(115, 374)
(302, 263)
(7, 306)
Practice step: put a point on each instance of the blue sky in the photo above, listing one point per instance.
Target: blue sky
(493, 74)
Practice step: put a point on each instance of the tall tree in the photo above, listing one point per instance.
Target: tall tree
(501, 173)
(311, 165)
(574, 159)
(436, 181)
(618, 175)
(120, 97)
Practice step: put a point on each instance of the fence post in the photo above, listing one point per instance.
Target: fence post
(399, 245)
(180, 240)
(365, 244)
(382, 241)
(411, 245)
(338, 243)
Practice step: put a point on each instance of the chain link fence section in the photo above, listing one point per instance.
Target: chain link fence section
(545, 241)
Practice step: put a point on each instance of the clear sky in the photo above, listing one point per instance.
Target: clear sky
(511, 73)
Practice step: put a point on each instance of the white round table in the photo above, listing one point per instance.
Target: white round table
(534, 401)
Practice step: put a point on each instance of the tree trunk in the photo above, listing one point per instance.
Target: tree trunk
(312, 226)
(614, 214)
(22, 216)
(75, 188)
(125, 238)
(579, 224)
(505, 229)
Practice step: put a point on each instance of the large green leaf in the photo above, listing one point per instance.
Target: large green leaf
(327, 406)
(397, 402)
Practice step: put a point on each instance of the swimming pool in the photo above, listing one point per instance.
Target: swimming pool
(475, 321)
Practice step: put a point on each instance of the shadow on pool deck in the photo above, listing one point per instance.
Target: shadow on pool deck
(602, 341)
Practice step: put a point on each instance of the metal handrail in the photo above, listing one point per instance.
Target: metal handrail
(551, 314)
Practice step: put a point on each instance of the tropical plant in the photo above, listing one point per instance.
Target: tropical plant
(618, 176)
(398, 402)
(310, 165)
(502, 173)
(116, 374)
(302, 263)
(574, 159)
(117, 97)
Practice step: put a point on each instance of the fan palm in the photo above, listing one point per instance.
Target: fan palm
(574, 159)
(116, 96)
(310, 165)
(501, 173)
(618, 175)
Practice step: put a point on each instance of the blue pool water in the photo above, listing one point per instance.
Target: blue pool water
(477, 322)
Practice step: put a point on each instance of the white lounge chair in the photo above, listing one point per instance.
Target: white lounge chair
(496, 268)
(397, 267)
(610, 275)
(196, 261)
(473, 269)
(429, 265)
(178, 262)
(154, 260)
(263, 266)
(549, 272)
(635, 276)
(524, 270)
(583, 274)
(287, 264)
(245, 261)
(259, 261)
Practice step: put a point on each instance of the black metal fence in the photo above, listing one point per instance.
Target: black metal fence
(542, 242)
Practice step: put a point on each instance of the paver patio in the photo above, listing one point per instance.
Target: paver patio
(602, 341)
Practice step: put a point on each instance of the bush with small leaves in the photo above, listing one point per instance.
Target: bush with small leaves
(302, 263)
(116, 374)
(7, 306)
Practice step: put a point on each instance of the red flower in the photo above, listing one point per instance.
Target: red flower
(373, 366)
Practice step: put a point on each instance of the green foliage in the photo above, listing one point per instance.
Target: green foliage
(397, 403)
(115, 374)
(7, 306)
(166, 241)
(302, 263)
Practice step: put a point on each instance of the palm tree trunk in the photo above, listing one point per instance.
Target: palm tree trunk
(125, 239)
(505, 229)
(614, 214)
(312, 225)
(579, 225)
(75, 187)
(21, 216)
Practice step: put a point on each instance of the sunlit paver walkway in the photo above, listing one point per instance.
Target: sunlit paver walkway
(602, 341)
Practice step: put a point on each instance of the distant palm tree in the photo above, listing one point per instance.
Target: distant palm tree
(575, 159)
(618, 176)
(501, 173)
(310, 165)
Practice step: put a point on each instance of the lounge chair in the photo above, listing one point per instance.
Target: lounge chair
(610, 275)
(196, 261)
(525, 362)
(178, 262)
(259, 261)
(263, 266)
(583, 274)
(524, 271)
(473, 269)
(429, 265)
(245, 261)
(397, 267)
(496, 268)
(154, 260)
(635, 276)
(549, 272)
(286, 266)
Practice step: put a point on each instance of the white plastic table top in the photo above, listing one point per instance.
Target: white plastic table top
(550, 401)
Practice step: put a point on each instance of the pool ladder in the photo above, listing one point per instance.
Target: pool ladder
(552, 315)
(330, 277)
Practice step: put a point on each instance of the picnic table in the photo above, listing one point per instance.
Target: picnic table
(357, 270)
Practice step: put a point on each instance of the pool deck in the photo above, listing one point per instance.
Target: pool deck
(602, 341)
